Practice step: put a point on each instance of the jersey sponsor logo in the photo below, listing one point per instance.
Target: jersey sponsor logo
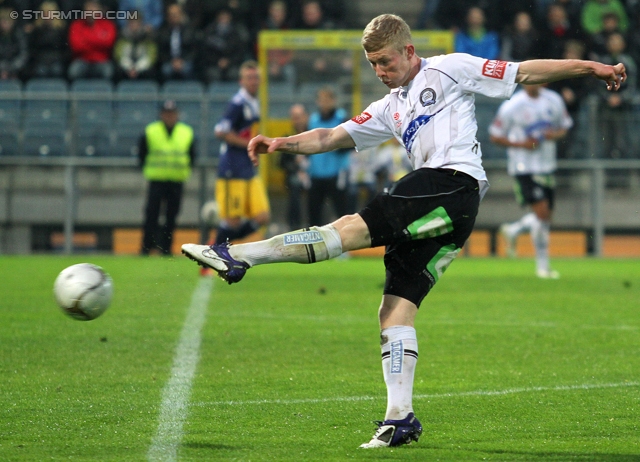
(427, 97)
(409, 135)
(362, 118)
(494, 68)
(396, 116)
(305, 237)
(397, 354)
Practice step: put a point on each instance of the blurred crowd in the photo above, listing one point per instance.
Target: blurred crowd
(208, 39)
(205, 40)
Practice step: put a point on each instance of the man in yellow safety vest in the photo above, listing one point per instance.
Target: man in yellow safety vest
(166, 154)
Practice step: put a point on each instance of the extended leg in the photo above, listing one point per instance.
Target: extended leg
(309, 245)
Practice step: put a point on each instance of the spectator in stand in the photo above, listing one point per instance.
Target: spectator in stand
(135, 52)
(475, 39)
(427, 18)
(616, 112)
(225, 46)
(177, 44)
(280, 66)
(594, 11)
(520, 41)
(556, 31)
(150, 10)
(598, 40)
(633, 35)
(295, 169)
(313, 17)
(13, 47)
(318, 66)
(452, 14)
(91, 41)
(48, 44)
(573, 92)
(329, 171)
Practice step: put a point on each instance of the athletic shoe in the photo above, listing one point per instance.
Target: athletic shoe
(547, 274)
(395, 432)
(509, 239)
(217, 258)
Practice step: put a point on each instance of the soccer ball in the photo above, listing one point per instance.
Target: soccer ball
(209, 213)
(83, 291)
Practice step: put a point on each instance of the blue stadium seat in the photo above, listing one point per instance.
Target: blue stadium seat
(9, 144)
(223, 90)
(44, 141)
(93, 141)
(182, 87)
(137, 103)
(125, 144)
(46, 102)
(10, 101)
(93, 102)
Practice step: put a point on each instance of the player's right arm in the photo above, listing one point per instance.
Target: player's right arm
(309, 142)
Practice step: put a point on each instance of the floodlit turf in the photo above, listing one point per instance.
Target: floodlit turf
(511, 367)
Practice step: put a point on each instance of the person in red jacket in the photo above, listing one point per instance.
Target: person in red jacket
(91, 39)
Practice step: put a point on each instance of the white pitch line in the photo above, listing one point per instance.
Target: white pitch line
(176, 392)
(508, 391)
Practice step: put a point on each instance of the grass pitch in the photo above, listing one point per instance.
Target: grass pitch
(511, 367)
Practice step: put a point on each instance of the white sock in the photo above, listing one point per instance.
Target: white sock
(399, 358)
(524, 224)
(307, 245)
(540, 238)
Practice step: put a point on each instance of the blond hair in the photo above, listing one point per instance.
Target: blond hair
(386, 30)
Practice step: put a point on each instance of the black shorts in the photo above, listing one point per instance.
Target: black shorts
(530, 189)
(424, 220)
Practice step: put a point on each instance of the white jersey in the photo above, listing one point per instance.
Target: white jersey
(525, 117)
(434, 116)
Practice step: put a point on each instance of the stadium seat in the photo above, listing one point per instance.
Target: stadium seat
(125, 143)
(92, 141)
(223, 90)
(10, 101)
(44, 141)
(46, 102)
(92, 101)
(182, 87)
(9, 144)
(137, 103)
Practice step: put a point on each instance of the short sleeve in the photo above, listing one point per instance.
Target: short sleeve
(490, 77)
(229, 119)
(370, 129)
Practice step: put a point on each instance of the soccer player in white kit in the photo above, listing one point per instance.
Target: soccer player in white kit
(528, 125)
(425, 217)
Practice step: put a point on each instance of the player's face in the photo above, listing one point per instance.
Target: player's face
(250, 80)
(392, 67)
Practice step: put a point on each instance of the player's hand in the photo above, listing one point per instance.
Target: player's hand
(263, 145)
(612, 75)
(531, 143)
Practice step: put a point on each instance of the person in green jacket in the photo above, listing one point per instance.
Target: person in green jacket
(593, 13)
(166, 154)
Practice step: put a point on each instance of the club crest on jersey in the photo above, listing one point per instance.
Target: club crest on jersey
(494, 68)
(427, 97)
(362, 118)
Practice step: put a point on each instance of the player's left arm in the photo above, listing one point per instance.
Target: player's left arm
(554, 134)
(550, 70)
(309, 142)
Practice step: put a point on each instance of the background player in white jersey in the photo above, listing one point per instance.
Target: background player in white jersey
(528, 125)
(425, 217)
